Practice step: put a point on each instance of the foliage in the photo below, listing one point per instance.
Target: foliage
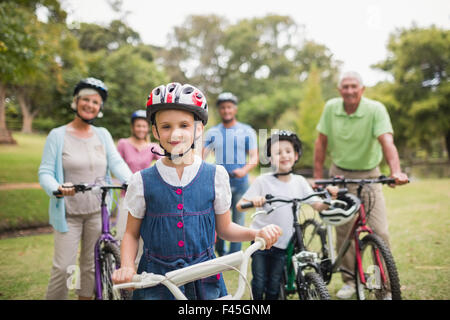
(310, 109)
(129, 78)
(419, 61)
(93, 37)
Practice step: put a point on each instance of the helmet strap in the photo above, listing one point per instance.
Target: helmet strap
(175, 156)
(277, 174)
(88, 121)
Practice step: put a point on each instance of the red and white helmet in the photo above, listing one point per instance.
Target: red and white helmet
(177, 96)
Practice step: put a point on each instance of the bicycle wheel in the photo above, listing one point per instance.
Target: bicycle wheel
(380, 272)
(110, 261)
(283, 295)
(311, 287)
(314, 237)
(315, 240)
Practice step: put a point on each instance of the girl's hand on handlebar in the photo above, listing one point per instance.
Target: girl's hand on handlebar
(66, 189)
(123, 275)
(270, 234)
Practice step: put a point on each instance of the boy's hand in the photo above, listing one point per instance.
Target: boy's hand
(270, 234)
(333, 190)
(123, 275)
(258, 201)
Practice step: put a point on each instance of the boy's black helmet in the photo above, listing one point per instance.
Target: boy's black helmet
(285, 135)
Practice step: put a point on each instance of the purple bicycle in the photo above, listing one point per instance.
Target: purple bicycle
(107, 251)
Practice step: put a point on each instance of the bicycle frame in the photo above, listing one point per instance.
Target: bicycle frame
(300, 259)
(174, 279)
(104, 237)
(359, 226)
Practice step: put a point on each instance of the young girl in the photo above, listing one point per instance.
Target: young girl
(177, 204)
(284, 149)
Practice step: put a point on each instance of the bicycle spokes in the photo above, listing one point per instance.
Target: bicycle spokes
(372, 278)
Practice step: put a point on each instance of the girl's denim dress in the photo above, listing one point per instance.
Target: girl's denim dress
(178, 231)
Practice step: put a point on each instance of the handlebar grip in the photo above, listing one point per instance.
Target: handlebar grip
(57, 193)
(136, 278)
(247, 205)
(262, 242)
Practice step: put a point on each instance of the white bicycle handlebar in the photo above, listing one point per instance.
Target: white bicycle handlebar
(174, 279)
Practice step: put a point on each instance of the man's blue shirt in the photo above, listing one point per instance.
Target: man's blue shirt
(231, 146)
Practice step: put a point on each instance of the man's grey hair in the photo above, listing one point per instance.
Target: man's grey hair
(350, 75)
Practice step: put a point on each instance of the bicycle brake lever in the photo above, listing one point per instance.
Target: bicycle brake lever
(327, 200)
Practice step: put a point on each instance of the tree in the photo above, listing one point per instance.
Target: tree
(17, 49)
(56, 54)
(194, 52)
(419, 62)
(319, 55)
(36, 55)
(310, 110)
(93, 37)
(130, 78)
(258, 55)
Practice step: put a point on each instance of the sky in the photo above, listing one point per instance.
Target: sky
(356, 31)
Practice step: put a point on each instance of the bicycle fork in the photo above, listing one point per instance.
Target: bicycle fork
(378, 268)
(105, 237)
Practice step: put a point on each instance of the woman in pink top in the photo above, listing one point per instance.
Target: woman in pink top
(136, 150)
(137, 153)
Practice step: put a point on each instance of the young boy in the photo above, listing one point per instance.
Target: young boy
(177, 204)
(284, 149)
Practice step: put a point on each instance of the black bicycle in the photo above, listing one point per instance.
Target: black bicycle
(302, 273)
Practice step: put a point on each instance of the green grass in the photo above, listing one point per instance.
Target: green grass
(25, 265)
(419, 226)
(23, 208)
(20, 163)
(418, 222)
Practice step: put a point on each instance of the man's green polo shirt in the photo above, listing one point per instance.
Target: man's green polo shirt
(352, 139)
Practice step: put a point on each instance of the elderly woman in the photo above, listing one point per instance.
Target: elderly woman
(78, 152)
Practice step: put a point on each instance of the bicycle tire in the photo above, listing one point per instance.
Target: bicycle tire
(315, 240)
(283, 294)
(110, 261)
(370, 290)
(313, 287)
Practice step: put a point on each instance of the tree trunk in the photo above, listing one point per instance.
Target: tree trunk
(5, 134)
(447, 144)
(27, 114)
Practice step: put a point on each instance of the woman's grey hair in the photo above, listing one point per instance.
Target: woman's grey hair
(350, 75)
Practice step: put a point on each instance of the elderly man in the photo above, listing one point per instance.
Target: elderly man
(357, 132)
(232, 141)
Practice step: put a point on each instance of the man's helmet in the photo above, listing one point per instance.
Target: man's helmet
(177, 96)
(226, 96)
(341, 210)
